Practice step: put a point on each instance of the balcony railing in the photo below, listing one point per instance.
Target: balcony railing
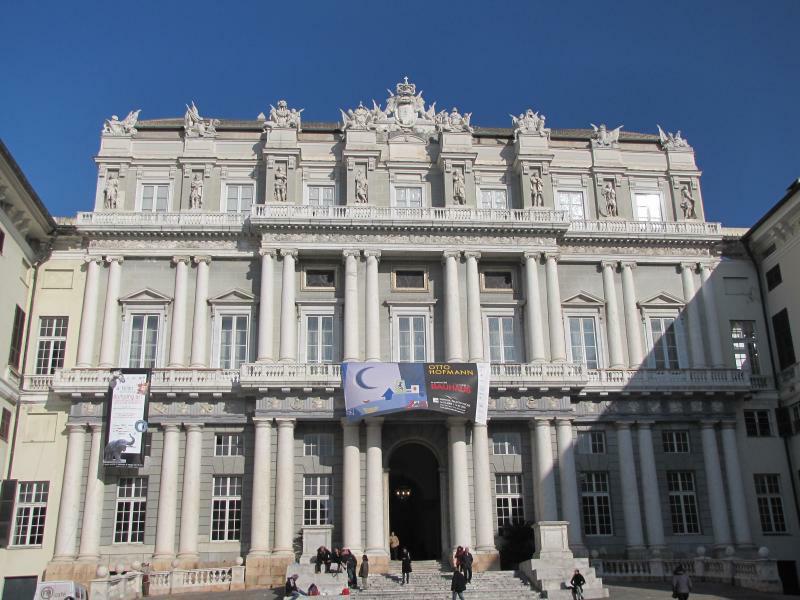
(266, 375)
(160, 220)
(601, 380)
(623, 227)
(193, 380)
(37, 383)
(537, 374)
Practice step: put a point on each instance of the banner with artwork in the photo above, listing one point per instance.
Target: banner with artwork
(456, 389)
(126, 418)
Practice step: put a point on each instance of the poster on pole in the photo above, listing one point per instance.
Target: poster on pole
(126, 418)
(456, 389)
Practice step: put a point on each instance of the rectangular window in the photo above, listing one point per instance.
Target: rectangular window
(502, 347)
(506, 443)
(774, 278)
(5, 424)
(648, 207)
(665, 342)
(30, 514)
(17, 332)
(408, 197)
(233, 341)
(317, 509)
(408, 279)
(497, 281)
(321, 279)
(318, 444)
(675, 442)
(592, 442)
(240, 198)
(783, 339)
(154, 197)
(745, 350)
(510, 507)
(583, 341)
(596, 503)
(52, 344)
(756, 423)
(572, 202)
(143, 341)
(321, 195)
(319, 338)
(796, 418)
(770, 503)
(228, 444)
(682, 502)
(226, 509)
(496, 198)
(411, 338)
(131, 510)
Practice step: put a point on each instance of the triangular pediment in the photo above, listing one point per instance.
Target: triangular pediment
(583, 299)
(145, 296)
(662, 299)
(233, 296)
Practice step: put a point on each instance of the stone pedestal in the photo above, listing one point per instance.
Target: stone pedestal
(313, 538)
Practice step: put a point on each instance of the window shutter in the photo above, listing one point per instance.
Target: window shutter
(8, 491)
(680, 336)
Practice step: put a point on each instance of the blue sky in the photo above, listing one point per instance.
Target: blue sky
(726, 73)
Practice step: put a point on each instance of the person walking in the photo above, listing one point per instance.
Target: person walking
(576, 585)
(458, 584)
(681, 584)
(350, 563)
(457, 557)
(363, 571)
(466, 564)
(405, 558)
(394, 545)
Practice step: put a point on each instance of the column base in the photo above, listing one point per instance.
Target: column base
(188, 561)
(59, 570)
(162, 563)
(378, 561)
(657, 551)
(486, 560)
(85, 570)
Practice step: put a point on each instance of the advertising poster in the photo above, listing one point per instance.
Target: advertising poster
(127, 419)
(456, 389)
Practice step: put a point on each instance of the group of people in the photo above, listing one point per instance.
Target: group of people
(335, 559)
(462, 574)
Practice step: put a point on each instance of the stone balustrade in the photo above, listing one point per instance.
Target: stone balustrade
(37, 383)
(649, 228)
(605, 380)
(117, 587)
(209, 579)
(258, 375)
(155, 221)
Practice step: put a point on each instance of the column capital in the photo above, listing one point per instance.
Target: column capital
(115, 259)
(451, 254)
(286, 252)
(193, 426)
(645, 423)
(564, 421)
(202, 259)
(627, 264)
(95, 427)
(608, 264)
(690, 266)
(376, 254)
(271, 252)
(727, 424)
(552, 255)
(709, 265)
(259, 422)
(453, 422)
(623, 424)
(176, 260)
(76, 427)
(348, 423)
(167, 427)
(284, 422)
(472, 254)
(531, 255)
(480, 425)
(374, 422)
(92, 259)
(348, 252)
(539, 422)
(709, 423)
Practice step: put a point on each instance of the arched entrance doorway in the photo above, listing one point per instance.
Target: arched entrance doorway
(414, 502)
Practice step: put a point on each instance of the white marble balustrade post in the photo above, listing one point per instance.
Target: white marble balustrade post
(108, 340)
(634, 536)
(733, 473)
(262, 471)
(167, 494)
(190, 499)
(474, 324)
(266, 307)
(712, 320)
(284, 490)
(633, 322)
(93, 503)
(351, 488)
(372, 303)
(351, 336)
(376, 543)
(555, 319)
(482, 486)
(452, 308)
(459, 483)
(177, 341)
(568, 480)
(89, 313)
(288, 343)
(69, 507)
(692, 310)
(546, 501)
(200, 324)
(650, 492)
(716, 490)
(615, 354)
(534, 325)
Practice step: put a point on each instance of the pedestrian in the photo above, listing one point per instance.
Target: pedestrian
(457, 558)
(336, 560)
(290, 589)
(394, 545)
(458, 584)
(363, 571)
(466, 564)
(320, 559)
(681, 584)
(405, 559)
(351, 570)
(576, 585)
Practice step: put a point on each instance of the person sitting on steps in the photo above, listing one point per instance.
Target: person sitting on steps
(576, 585)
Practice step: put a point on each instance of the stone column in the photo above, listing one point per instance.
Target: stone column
(266, 307)
(733, 472)
(633, 323)
(546, 502)
(200, 325)
(459, 483)
(630, 486)
(167, 494)
(69, 508)
(284, 490)
(89, 314)
(262, 471)
(474, 325)
(534, 328)
(452, 308)
(351, 338)
(693, 326)
(612, 316)
(190, 500)
(351, 490)
(93, 504)
(108, 341)
(555, 319)
(568, 479)
(712, 320)
(482, 486)
(375, 540)
(372, 304)
(288, 345)
(177, 342)
(716, 490)
(652, 496)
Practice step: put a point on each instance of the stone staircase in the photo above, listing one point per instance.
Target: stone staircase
(551, 577)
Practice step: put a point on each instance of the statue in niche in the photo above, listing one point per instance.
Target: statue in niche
(671, 141)
(362, 187)
(459, 187)
(610, 197)
(537, 189)
(195, 125)
(529, 122)
(196, 192)
(687, 203)
(283, 117)
(604, 137)
(111, 192)
(127, 126)
(279, 193)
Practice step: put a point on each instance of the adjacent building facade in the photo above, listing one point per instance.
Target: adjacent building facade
(243, 261)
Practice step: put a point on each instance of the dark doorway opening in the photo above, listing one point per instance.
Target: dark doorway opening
(414, 501)
(16, 588)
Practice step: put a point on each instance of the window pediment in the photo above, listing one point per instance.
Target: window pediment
(583, 300)
(146, 296)
(662, 300)
(232, 296)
